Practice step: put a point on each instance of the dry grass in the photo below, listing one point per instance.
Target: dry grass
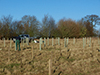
(72, 60)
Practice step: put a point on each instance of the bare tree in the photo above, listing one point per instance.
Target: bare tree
(30, 24)
(93, 19)
(48, 24)
(6, 24)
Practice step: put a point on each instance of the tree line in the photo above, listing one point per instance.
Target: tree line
(85, 27)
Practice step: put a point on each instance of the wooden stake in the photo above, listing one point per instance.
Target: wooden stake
(31, 41)
(15, 45)
(67, 40)
(23, 42)
(55, 43)
(99, 46)
(10, 42)
(98, 40)
(7, 39)
(50, 65)
(32, 51)
(83, 42)
(58, 40)
(92, 46)
(52, 42)
(8, 55)
(90, 41)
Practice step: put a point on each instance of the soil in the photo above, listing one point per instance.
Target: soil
(74, 59)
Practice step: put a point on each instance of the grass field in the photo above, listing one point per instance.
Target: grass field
(70, 60)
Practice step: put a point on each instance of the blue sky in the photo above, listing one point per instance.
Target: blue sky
(58, 9)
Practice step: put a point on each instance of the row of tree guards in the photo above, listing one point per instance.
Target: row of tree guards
(57, 41)
(17, 43)
(41, 41)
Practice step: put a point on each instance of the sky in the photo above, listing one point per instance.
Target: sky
(58, 9)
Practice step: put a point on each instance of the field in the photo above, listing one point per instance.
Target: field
(70, 60)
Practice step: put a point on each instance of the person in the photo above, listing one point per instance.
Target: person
(18, 38)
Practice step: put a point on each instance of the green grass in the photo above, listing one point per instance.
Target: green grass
(88, 72)
(69, 60)
(12, 65)
(49, 49)
(9, 65)
(79, 73)
(2, 66)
